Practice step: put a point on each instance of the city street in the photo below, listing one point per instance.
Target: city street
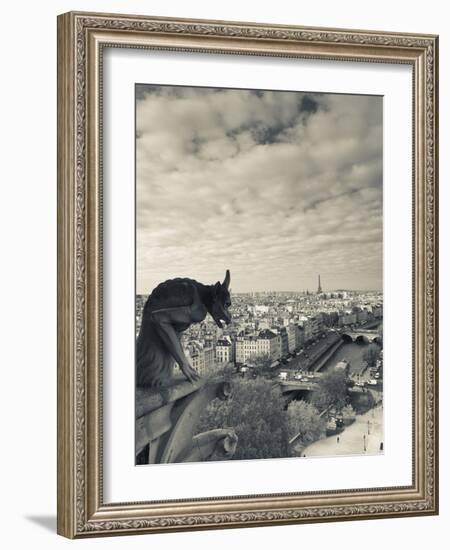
(364, 436)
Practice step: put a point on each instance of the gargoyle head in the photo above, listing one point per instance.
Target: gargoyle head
(221, 301)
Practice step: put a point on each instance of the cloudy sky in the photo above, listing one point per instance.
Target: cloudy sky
(275, 186)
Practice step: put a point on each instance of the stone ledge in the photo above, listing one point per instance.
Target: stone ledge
(166, 420)
(147, 400)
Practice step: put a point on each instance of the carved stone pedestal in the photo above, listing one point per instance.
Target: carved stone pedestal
(166, 422)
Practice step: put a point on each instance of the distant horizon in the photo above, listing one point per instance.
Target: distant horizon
(311, 292)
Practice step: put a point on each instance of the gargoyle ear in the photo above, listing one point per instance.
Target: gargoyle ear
(226, 281)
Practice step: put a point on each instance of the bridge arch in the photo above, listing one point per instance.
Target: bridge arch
(361, 338)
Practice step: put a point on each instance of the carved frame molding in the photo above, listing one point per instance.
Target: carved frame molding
(81, 37)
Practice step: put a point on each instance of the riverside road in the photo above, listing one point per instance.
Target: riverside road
(363, 437)
(350, 351)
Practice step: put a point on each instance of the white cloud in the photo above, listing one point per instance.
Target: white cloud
(276, 186)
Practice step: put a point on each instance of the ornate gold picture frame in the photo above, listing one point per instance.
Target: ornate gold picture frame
(82, 40)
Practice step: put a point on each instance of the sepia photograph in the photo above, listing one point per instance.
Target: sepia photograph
(259, 274)
(247, 233)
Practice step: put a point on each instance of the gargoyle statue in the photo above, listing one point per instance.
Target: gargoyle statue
(172, 308)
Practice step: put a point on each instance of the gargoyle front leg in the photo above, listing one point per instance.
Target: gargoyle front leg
(163, 321)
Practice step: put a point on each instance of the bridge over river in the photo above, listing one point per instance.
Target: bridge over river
(296, 385)
(361, 336)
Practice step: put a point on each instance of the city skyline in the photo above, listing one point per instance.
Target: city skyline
(312, 292)
(278, 187)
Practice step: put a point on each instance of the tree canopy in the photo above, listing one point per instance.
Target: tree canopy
(371, 355)
(332, 391)
(304, 423)
(256, 412)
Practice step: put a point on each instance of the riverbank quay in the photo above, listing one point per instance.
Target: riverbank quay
(363, 437)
